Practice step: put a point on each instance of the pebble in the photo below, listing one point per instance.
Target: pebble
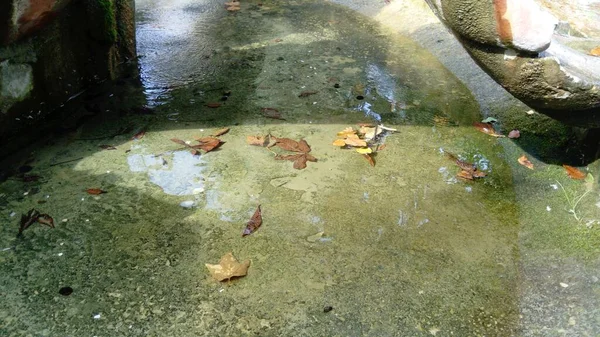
(187, 204)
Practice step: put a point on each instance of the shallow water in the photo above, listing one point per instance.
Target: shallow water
(407, 248)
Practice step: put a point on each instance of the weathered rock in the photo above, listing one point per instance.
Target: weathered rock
(515, 42)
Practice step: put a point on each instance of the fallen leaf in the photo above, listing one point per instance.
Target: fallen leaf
(272, 113)
(254, 223)
(525, 162)
(353, 140)
(465, 175)
(228, 268)
(207, 143)
(212, 105)
(233, 8)
(595, 51)
(369, 158)
(220, 132)
(95, 191)
(291, 145)
(487, 128)
(574, 173)
(381, 147)
(514, 134)
(257, 140)
(364, 150)
(339, 142)
(45, 219)
(299, 159)
(180, 142)
(139, 135)
(346, 132)
(307, 93)
(468, 170)
(107, 147)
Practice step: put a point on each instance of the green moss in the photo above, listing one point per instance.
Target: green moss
(109, 21)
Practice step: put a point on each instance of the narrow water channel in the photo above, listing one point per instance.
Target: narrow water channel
(401, 248)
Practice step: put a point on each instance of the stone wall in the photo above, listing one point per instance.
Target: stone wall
(52, 50)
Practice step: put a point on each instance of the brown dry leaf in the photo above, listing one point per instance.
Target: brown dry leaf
(179, 141)
(45, 219)
(95, 191)
(525, 162)
(288, 144)
(307, 93)
(487, 128)
(595, 51)
(212, 105)
(107, 147)
(339, 142)
(369, 158)
(303, 146)
(233, 8)
(257, 140)
(207, 143)
(272, 113)
(227, 268)
(254, 223)
(465, 175)
(574, 173)
(298, 159)
(220, 132)
(139, 135)
(381, 147)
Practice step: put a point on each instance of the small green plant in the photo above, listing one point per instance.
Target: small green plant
(574, 202)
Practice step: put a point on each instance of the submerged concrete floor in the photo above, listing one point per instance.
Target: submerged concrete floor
(407, 248)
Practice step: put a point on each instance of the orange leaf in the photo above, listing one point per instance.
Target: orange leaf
(221, 132)
(574, 173)
(95, 191)
(346, 132)
(369, 159)
(355, 141)
(487, 128)
(525, 162)
(207, 143)
(595, 51)
(339, 142)
(254, 223)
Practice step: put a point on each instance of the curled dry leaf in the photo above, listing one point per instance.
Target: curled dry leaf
(179, 141)
(525, 162)
(272, 113)
(207, 143)
(574, 173)
(307, 93)
(514, 134)
(254, 223)
(487, 128)
(45, 219)
(95, 191)
(107, 147)
(370, 159)
(467, 170)
(139, 135)
(33, 216)
(228, 268)
(220, 132)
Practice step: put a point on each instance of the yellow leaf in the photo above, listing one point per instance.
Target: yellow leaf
(227, 268)
(339, 142)
(364, 150)
(346, 132)
(355, 141)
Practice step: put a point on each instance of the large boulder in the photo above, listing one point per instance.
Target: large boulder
(517, 42)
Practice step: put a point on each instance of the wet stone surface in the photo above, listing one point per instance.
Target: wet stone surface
(403, 248)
